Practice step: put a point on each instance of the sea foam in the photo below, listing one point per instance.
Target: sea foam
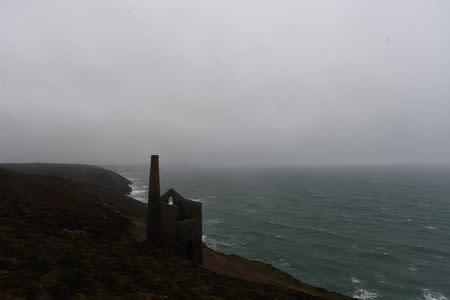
(214, 244)
(213, 221)
(137, 192)
(364, 295)
(355, 280)
(198, 199)
(412, 268)
(281, 264)
(428, 295)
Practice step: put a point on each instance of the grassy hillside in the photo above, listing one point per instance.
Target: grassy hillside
(83, 173)
(105, 184)
(283, 277)
(58, 240)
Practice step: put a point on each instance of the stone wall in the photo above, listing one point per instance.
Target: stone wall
(176, 227)
(189, 209)
(168, 227)
(181, 226)
(189, 240)
(171, 193)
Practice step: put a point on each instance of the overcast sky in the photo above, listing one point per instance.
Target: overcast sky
(225, 82)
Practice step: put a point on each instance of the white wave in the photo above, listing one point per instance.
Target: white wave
(380, 278)
(281, 264)
(428, 295)
(137, 192)
(364, 295)
(412, 268)
(355, 280)
(198, 199)
(213, 221)
(431, 227)
(321, 229)
(203, 198)
(213, 244)
(277, 223)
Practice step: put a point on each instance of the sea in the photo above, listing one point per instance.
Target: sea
(366, 232)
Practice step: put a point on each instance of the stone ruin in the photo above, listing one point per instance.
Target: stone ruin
(174, 223)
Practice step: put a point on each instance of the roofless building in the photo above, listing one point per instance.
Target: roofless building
(173, 222)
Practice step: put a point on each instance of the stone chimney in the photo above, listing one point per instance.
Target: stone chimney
(153, 208)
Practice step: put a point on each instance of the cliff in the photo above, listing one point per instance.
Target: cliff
(83, 173)
(65, 239)
(107, 184)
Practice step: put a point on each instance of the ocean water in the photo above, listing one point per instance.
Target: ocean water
(370, 233)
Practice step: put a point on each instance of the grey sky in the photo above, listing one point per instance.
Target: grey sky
(226, 82)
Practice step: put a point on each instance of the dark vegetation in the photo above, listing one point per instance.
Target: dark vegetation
(107, 185)
(65, 239)
(271, 271)
(83, 173)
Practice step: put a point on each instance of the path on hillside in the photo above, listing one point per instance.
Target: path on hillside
(220, 264)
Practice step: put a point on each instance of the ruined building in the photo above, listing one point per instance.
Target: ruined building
(173, 223)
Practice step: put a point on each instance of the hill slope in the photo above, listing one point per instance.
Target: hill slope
(105, 184)
(83, 173)
(58, 240)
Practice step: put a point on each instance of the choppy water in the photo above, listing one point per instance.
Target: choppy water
(371, 233)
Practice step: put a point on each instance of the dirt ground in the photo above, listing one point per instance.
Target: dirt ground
(220, 264)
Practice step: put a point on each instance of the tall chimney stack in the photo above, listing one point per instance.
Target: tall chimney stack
(153, 208)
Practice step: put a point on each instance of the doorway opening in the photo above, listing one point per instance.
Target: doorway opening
(189, 251)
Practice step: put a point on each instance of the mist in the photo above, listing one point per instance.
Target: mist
(225, 82)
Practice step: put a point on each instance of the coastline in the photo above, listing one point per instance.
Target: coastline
(348, 233)
(236, 266)
(74, 214)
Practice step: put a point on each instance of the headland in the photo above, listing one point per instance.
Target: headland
(71, 232)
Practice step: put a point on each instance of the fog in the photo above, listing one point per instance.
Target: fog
(225, 82)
